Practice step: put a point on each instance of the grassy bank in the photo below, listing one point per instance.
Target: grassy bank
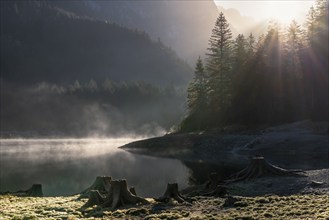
(261, 207)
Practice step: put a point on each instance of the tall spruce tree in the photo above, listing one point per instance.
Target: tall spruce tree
(311, 25)
(197, 90)
(251, 45)
(294, 45)
(219, 67)
(320, 71)
(239, 52)
(197, 101)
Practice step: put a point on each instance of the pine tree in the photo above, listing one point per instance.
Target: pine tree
(251, 41)
(219, 66)
(197, 98)
(294, 46)
(310, 25)
(239, 52)
(197, 91)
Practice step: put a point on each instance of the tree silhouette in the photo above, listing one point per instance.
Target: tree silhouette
(219, 67)
(197, 100)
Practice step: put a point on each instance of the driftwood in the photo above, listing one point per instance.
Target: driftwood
(259, 167)
(172, 193)
(117, 195)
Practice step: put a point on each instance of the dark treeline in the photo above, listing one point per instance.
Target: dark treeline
(90, 108)
(280, 77)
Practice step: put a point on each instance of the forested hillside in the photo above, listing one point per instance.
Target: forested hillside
(68, 75)
(280, 77)
(89, 109)
(44, 43)
(185, 26)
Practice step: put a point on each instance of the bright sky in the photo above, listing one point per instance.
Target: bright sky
(282, 10)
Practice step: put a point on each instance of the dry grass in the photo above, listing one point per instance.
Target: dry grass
(273, 207)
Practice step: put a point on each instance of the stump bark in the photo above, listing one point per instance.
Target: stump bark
(213, 182)
(117, 195)
(133, 190)
(101, 183)
(34, 191)
(214, 186)
(172, 193)
(259, 167)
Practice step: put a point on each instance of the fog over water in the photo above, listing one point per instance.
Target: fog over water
(68, 166)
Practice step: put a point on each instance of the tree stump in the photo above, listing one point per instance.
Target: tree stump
(95, 198)
(117, 195)
(259, 167)
(172, 193)
(133, 190)
(35, 191)
(101, 183)
(214, 180)
(214, 186)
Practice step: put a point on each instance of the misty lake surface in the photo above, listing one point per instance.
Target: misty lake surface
(68, 166)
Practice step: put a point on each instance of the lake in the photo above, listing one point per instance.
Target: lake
(68, 166)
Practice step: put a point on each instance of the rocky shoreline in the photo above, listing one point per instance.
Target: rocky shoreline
(300, 145)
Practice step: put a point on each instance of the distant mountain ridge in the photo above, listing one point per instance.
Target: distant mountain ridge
(42, 42)
(243, 24)
(185, 26)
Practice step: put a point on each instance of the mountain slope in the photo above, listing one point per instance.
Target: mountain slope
(40, 42)
(185, 26)
(243, 24)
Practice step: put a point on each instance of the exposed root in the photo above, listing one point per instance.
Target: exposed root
(35, 191)
(132, 190)
(95, 198)
(117, 195)
(259, 167)
(214, 186)
(214, 180)
(172, 193)
(101, 183)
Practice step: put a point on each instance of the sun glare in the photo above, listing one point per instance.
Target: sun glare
(282, 11)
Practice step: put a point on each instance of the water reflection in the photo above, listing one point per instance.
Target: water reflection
(67, 166)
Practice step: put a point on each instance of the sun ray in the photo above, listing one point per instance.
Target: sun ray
(283, 11)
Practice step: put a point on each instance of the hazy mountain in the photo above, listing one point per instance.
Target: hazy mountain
(185, 26)
(243, 24)
(40, 42)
